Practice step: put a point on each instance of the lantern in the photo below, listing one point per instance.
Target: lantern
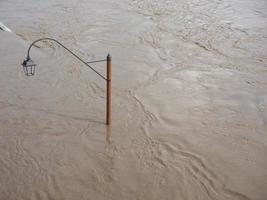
(28, 67)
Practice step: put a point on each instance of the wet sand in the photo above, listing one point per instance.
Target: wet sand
(189, 100)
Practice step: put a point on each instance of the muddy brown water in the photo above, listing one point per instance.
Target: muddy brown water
(189, 100)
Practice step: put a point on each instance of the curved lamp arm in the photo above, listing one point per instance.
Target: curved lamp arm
(28, 54)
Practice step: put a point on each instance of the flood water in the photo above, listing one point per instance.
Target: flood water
(189, 100)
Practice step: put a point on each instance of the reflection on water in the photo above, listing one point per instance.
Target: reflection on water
(108, 134)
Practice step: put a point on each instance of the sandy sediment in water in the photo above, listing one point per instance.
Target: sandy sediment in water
(189, 100)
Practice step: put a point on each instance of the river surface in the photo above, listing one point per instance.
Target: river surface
(189, 101)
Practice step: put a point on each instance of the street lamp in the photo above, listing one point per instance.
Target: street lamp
(28, 67)
(29, 70)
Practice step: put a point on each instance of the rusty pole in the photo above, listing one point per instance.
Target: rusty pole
(108, 105)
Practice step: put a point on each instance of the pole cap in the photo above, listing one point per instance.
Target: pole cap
(108, 57)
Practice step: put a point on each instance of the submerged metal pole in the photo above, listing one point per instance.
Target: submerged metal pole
(108, 79)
